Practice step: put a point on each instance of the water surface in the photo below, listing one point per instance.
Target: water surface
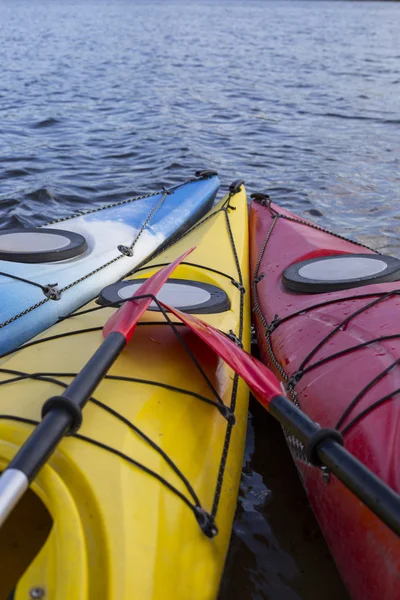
(102, 100)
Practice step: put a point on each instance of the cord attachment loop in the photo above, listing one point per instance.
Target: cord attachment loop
(165, 191)
(261, 198)
(294, 379)
(69, 406)
(258, 278)
(50, 291)
(232, 336)
(205, 174)
(235, 186)
(206, 522)
(227, 413)
(125, 250)
(239, 286)
(273, 325)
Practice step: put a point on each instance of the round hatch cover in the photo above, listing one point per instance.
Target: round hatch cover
(186, 295)
(40, 245)
(340, 272)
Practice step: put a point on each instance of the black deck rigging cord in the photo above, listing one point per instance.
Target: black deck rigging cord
(205, 520)
(269, 328)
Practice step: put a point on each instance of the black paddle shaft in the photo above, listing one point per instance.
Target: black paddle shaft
(63, 414)
(383, 501)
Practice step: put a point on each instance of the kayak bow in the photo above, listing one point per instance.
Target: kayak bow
(49, 271)
(326, 311)
(62, 415)
(139, 504)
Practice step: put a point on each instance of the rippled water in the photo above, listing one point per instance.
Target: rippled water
(103, 100)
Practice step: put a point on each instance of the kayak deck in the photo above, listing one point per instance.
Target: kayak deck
(337, 353)
(121, 517)
(117, 238)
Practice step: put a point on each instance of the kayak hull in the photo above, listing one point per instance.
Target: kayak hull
(307, 330)
(118, 532)
(145, 225)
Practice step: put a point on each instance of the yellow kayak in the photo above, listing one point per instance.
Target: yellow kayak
(139, 503)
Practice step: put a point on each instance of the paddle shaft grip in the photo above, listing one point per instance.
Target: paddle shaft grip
(381, 499)
(57, 422)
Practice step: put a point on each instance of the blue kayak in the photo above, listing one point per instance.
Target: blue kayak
(47, 272)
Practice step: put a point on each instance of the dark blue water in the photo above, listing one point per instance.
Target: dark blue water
(102, 100)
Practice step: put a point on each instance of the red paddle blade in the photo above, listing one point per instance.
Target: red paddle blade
(262, 382)
(125, 318)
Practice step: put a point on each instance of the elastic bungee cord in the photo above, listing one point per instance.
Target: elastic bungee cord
(51, 292)
(305, 367)
(205, 520)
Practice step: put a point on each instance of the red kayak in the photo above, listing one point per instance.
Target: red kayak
(327, 316)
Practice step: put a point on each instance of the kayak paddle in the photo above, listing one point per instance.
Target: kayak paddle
(322, 446)
(62, 415)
